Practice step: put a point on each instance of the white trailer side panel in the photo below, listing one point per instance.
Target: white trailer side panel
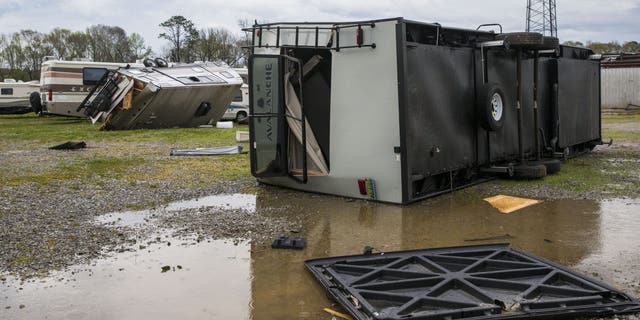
(364, 119)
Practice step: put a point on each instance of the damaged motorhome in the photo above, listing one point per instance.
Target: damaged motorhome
(396, 110)
(160, 97)
(62, 86)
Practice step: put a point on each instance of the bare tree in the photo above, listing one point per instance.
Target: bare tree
(138, 47)
(35, 49)
(58, 40)
(631, 47)
(77, 45)
(182, 34)
(107, 43)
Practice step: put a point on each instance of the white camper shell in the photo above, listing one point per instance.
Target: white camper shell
(62, 88)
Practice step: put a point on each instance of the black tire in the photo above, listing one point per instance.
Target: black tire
(241, 117)
(522, 40)
(529, 172)
(553, 165)
(36, 102)
(149, 63)
(489, 113)
(161, 63)
(550, 43)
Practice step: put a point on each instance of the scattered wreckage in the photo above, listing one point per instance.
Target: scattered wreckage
(158, 96)
(473, 282)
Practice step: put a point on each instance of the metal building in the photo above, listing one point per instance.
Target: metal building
(621, 82)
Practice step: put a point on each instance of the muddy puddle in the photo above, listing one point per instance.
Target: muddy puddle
(236, 279)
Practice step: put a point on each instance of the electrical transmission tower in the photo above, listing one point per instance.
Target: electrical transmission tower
(541, 17)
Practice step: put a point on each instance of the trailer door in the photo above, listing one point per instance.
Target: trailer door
(266, 117)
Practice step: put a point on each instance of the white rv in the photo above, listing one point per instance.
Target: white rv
(14, 95)
(238, 110)
(62, 89)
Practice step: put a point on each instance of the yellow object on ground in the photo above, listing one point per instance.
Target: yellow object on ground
(337, 314)
(508, 204)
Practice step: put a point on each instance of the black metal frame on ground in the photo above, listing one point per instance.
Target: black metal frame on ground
(473, 282)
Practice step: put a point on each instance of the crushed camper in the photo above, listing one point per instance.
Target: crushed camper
(159, 97)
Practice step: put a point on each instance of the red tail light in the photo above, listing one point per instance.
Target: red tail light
(362, 185)
(50, 94)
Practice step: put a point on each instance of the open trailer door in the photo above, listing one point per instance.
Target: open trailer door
(282, 140)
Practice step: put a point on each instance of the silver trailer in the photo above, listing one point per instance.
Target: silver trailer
(396, 111)
(154, 97)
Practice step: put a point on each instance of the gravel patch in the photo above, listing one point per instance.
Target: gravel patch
(51, 227)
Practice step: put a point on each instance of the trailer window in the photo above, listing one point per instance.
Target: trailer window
(6, 91)
(238, 96)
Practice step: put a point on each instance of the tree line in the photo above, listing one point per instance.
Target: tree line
(22, 52)
(612, 47)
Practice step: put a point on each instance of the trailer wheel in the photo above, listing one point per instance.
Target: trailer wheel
(550, 43)
(36, 102)
(552, 165)
(241, 117)
(529, 172)
(491, 107)
(523, 40)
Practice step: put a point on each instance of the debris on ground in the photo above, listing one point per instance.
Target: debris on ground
(471, 282)
(242, 136)
(70, 145)
(508, 204)
(208, 151)
(337, 314)
(500, 237)
(289, 243)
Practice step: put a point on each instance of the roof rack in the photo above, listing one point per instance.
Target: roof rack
(333, 30)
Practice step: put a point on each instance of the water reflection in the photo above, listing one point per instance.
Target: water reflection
(222, 201)
(207, 281)
(563, 231)
(238, 280)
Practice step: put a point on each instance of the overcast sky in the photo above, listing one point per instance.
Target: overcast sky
(579, 20)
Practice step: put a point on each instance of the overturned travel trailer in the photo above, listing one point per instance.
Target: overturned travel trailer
(397, 110)
(14, 96)
(159, 97)
(62, 86)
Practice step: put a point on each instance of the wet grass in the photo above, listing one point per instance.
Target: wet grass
(52, 129)
(131, 156)
(621, 118)
(609, 171)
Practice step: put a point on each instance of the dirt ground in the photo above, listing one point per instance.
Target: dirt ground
(125, 209)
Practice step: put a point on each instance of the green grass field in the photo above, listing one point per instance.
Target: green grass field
(132, 155)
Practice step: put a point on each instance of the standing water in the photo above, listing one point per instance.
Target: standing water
(235, 279)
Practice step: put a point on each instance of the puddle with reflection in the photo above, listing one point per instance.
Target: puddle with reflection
(224, 201)
(213, 282)
(252, 281)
